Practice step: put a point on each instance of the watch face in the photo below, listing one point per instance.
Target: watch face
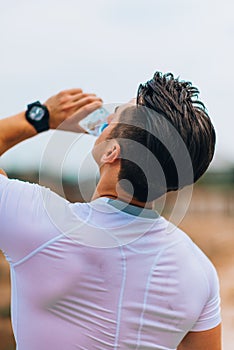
(36, 113)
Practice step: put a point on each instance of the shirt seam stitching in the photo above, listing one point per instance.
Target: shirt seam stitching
(37, 250)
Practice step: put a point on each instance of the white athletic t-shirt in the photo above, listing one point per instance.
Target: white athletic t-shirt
(101, 275)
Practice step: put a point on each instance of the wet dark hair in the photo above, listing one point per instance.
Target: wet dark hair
(167, 140)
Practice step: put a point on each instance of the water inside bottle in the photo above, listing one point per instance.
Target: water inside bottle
(95, 122)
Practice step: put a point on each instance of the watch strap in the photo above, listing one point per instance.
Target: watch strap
(42, 124)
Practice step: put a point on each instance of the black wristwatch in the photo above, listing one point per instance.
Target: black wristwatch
(38, 115)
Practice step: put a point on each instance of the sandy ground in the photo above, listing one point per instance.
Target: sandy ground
(215, 236)
(213, 232)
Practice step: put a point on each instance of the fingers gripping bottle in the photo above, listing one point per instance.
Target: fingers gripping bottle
(95, 122)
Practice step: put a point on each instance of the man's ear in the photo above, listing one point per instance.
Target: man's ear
(112, 152)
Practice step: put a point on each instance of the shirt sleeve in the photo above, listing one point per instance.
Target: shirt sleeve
(210, 316)
(25, 220)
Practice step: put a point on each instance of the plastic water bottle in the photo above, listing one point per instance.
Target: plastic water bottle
(95, 122)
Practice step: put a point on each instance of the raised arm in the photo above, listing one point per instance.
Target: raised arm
(14, 130)
(65, 109)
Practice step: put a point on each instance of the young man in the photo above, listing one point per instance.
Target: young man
(109, 274)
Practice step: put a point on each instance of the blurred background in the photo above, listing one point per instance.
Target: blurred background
(109, 47)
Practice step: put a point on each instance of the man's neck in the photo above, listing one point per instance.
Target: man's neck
(123, 198)
(105, 190)
(108, 186)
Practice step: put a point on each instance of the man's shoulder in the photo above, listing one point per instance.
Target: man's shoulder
(186, 249)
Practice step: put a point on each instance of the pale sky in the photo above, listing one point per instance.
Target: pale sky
(109, 47)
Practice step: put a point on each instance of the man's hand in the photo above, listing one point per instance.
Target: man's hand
(68, 107)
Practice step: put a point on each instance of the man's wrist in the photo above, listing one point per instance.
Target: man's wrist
(38, 116)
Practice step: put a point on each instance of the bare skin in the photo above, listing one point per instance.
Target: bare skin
(2, 172)
(106, 153)
(66, 109)
(205, 340)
